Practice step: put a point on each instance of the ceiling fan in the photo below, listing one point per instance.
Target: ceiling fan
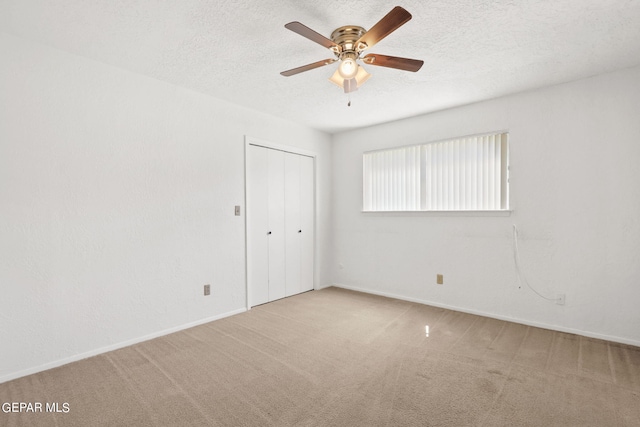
(348, 43)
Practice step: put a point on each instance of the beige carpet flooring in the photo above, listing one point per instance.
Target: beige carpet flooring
(340, 358)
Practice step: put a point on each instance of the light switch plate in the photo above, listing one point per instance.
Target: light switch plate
(237, 210)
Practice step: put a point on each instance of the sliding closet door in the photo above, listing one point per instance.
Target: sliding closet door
(257, 226)
(276, 208)
(280, 225)
(299, 208)
(307, 208)
(292, 221)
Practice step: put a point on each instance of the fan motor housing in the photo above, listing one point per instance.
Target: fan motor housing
(347, 36)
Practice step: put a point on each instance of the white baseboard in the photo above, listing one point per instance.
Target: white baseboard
(66, 360)
(496, 316)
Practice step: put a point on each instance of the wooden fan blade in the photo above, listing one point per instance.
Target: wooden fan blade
(307, 32)
(405, 64)
(391, 22)
(308, 67)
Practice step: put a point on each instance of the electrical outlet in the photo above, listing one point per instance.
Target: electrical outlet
(560, 299)
(207, 290)
(439, 279)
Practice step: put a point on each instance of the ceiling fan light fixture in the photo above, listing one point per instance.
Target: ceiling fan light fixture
(350, 85)
(348, 68)
(360, 77)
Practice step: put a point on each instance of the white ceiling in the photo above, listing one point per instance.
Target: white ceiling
(234, 50)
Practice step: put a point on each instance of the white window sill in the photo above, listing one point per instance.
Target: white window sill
(505, 212)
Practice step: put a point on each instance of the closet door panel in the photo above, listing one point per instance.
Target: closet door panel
(276, 236)
(292, 222)
(257, 226)
(307, 225)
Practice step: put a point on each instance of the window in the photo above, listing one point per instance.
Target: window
(463, 174)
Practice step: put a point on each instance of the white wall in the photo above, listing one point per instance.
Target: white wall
(575, 191)
(117, 197)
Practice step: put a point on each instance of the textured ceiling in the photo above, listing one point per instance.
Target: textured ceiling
(234, 50)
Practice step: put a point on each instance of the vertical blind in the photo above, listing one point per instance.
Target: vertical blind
(468, 173)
